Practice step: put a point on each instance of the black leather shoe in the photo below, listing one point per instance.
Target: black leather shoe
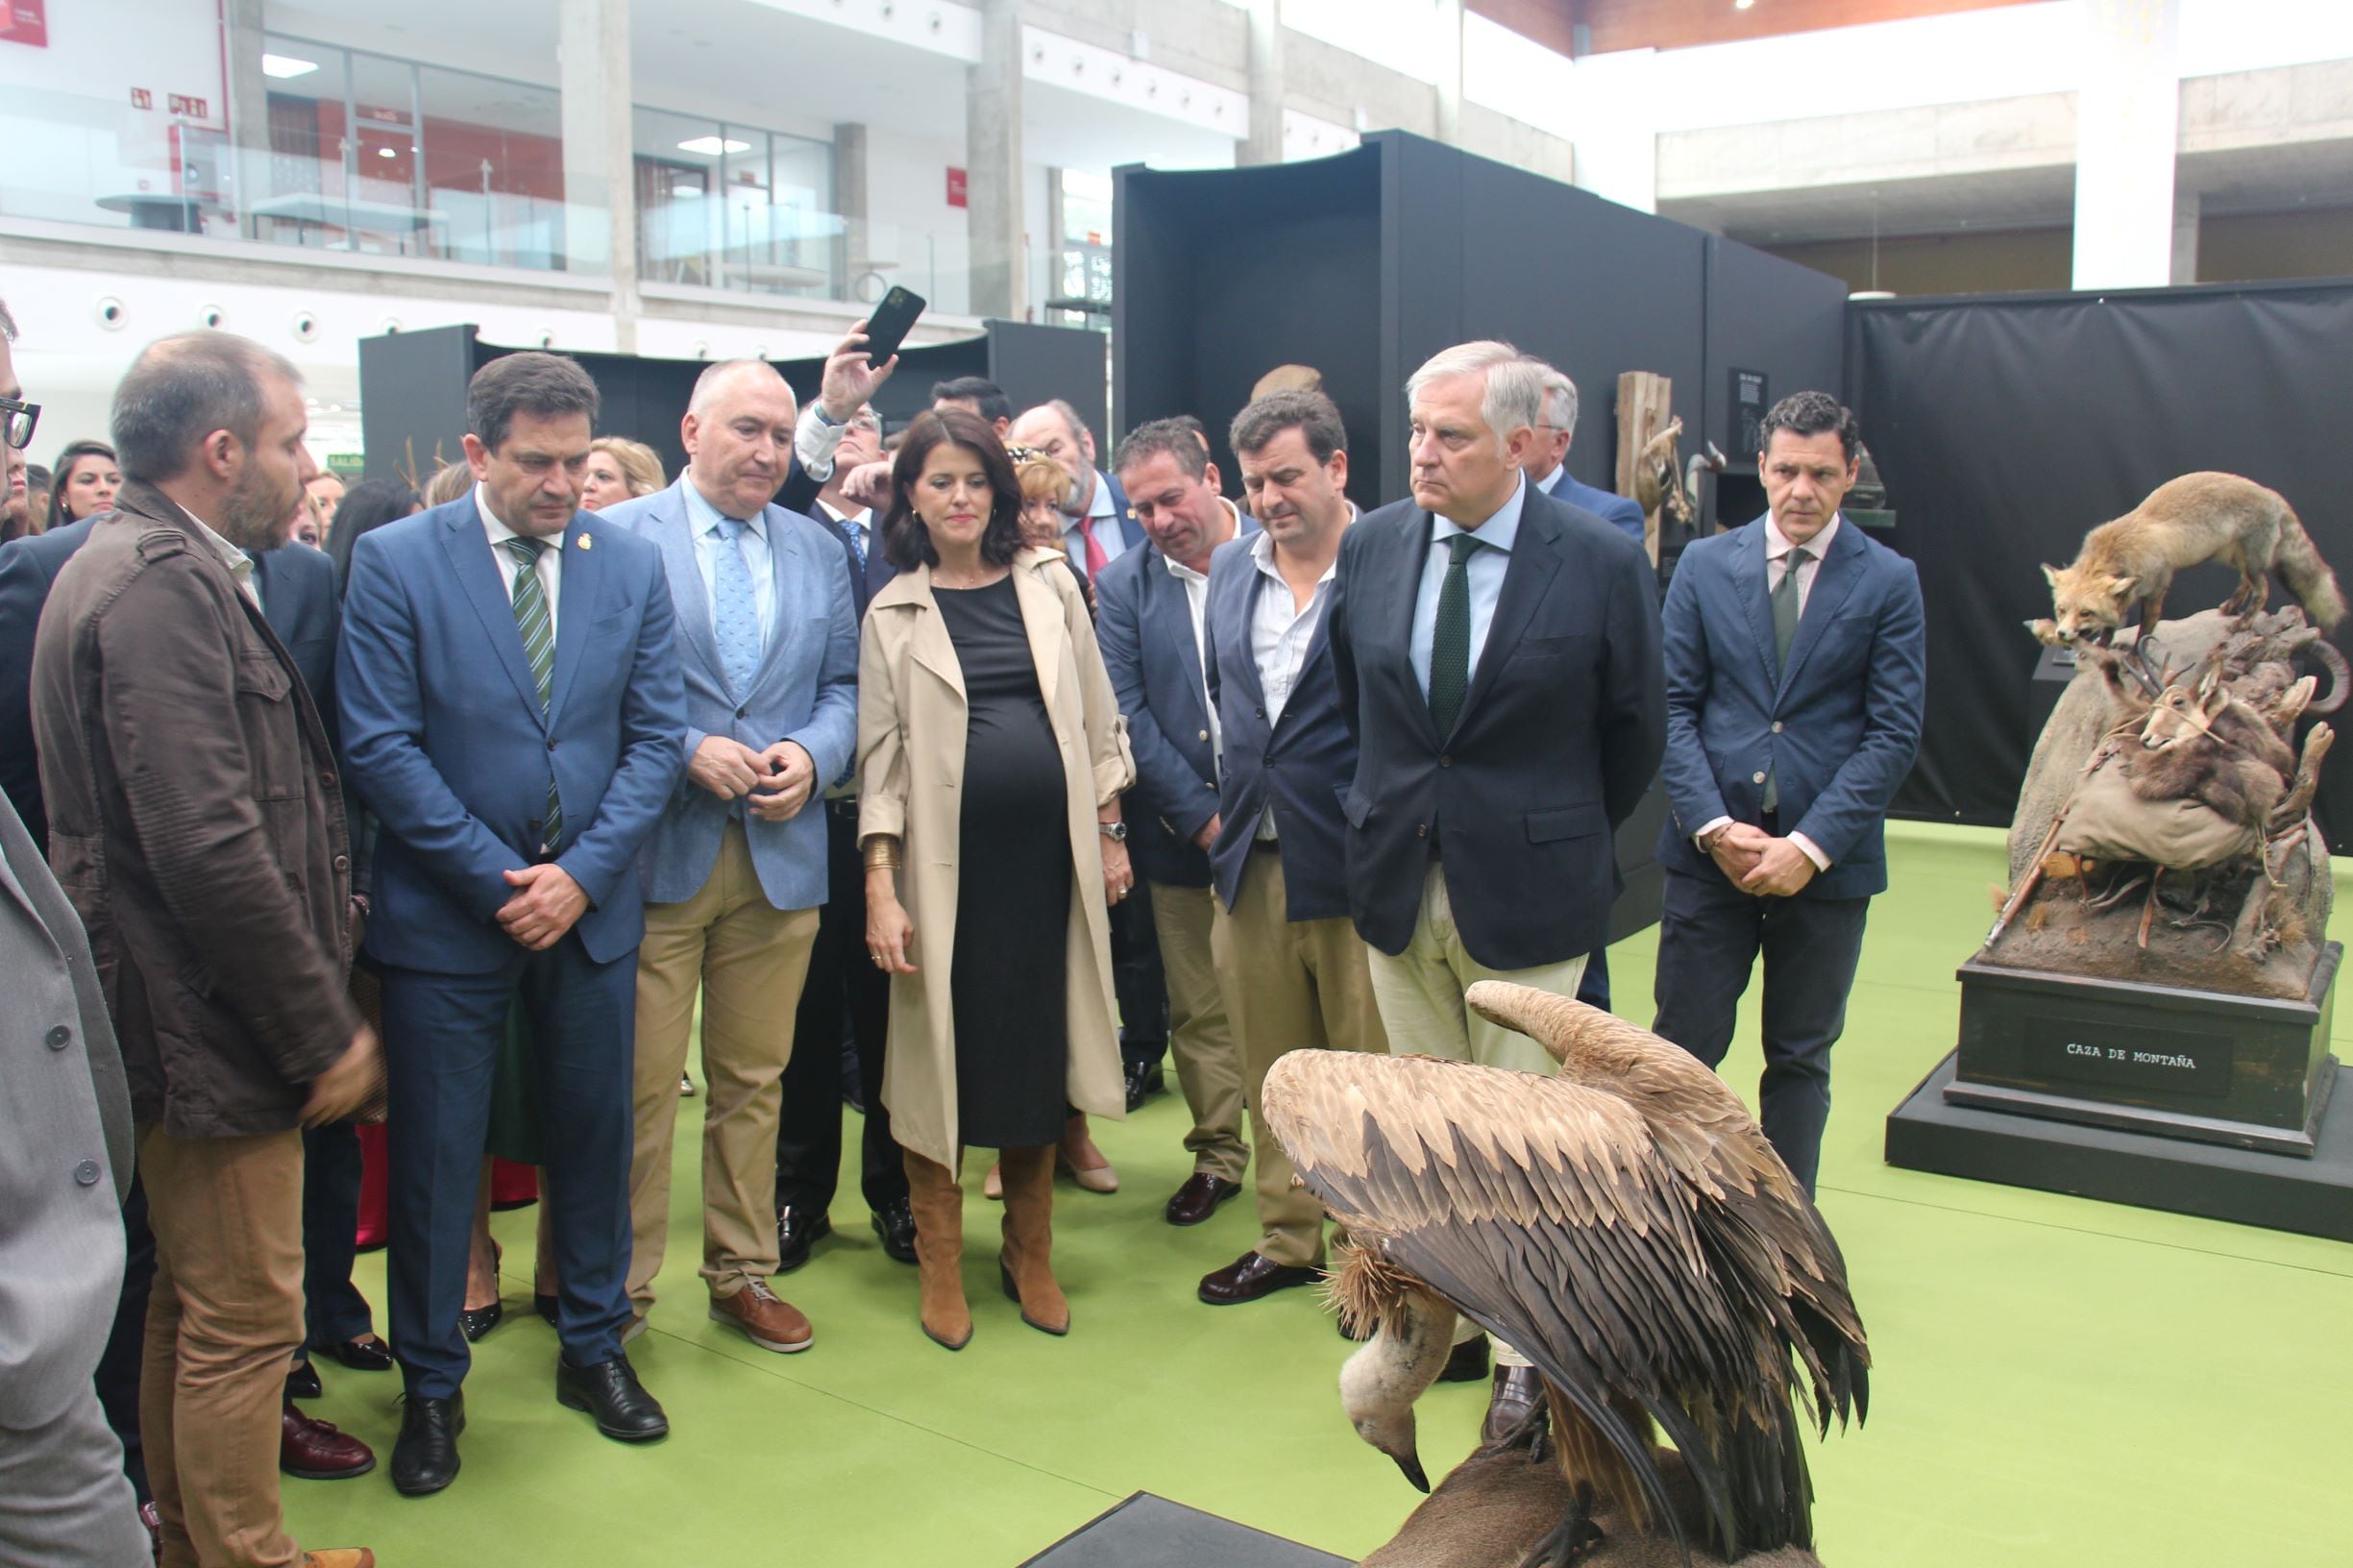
(365, 1354)
(1249, 1277)
(545, 1306)
(1467, 1361)
(424, 1458)
(303, 1382)
(796, 1232)
(1514, 1395)
(1199, 1197)
(894, 1223)
(1144, 1078)
(476, 1321)
(609, 1392)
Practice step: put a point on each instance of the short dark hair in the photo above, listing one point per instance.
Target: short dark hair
(183, 387)
(548, 385)
(1311, 414)
(906, 542)
(1179, 437)
(1811, 413)
(366, 507)
(74, 451)
(982, 393)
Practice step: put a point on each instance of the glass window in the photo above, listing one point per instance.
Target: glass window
(730, 207)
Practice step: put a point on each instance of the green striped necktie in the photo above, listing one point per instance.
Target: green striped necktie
(538, 629)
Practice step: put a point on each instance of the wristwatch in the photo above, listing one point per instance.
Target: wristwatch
(1117, 832)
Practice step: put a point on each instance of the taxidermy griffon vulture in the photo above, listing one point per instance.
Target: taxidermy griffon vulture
(1625, 1224)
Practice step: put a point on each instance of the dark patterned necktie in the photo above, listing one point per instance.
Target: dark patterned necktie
(537, 626)
(1787, 603)
(1450, 638)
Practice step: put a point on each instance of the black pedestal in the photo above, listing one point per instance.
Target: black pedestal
(1149, 1532)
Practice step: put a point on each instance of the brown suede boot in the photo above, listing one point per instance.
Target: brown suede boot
(1026, 1265)
(937, 1202)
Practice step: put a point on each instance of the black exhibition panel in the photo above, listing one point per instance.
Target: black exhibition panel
(2005, 426)
(412, 386)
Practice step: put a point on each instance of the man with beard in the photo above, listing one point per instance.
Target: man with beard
(196, 827)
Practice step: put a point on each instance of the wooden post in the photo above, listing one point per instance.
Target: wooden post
(1646, 402)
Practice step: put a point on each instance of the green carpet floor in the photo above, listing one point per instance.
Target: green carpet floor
(2056, 1382)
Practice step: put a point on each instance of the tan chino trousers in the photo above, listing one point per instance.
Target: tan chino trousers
(1291, 985)
(1200, 1032)
(224, 1320)
(748, 960)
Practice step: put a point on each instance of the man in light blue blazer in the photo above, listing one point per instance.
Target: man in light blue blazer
(735, 872)
(512, 711)
(1796, 671)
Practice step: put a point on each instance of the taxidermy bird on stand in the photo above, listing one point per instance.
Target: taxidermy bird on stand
(1625, 1225)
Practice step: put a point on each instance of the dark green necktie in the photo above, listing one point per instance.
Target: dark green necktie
(1450, 638)
(537, 628)
(1785, 608)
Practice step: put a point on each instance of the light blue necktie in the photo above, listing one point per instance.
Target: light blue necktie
(735, 618)
(856, 536)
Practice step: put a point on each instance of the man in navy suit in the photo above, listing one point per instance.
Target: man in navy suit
(514, 714)
(1149, 610)
(845, 998)
(1294, 971)
(1497, 652)
(1546, 466)
(767, 636)
(1796, 670)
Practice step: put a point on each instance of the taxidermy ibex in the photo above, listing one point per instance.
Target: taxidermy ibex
(2199, 517)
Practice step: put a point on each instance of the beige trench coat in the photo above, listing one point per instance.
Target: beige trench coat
(911, 733)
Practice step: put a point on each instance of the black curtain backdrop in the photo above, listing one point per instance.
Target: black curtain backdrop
(2005, 428)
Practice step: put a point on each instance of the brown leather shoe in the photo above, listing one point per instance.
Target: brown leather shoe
(1251, 1276)
(314, 1450)
(1512, 1395)
(1200, 1199)
(340, 1556)
(766, 1320)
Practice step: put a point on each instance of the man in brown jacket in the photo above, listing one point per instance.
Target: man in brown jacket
(196, 827)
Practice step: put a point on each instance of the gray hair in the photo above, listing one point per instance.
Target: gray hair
(1516, 383)
(707, 384)
(183, 387)
(1070, 416)
(1560, 400)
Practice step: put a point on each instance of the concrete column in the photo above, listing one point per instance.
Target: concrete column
(1448, 45)
(1264, 143)
(2189, 209)
(592, 48)
(2127, 118)
(248, 110)
(855, 248)
(995, 219)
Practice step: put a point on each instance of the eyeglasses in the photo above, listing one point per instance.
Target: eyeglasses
(22, 418)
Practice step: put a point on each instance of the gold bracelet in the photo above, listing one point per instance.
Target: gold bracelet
(882, 853)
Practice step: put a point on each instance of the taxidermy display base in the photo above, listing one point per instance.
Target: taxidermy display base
(2313, 1196)
(1149, 1532)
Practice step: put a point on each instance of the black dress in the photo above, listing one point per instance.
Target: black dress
(1009, 980)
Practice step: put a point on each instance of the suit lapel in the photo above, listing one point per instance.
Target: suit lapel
(583, 577)
(674, 530)
(1400, 619)
(786, 567)
(1232, 610)
(1536, 556)
(1042, 619)
(1748, 582)
(1834, 580)
(929, 644)
(1165, 596)
(468, 549)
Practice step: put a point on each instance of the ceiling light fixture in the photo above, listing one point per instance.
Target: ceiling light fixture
(283, 66)
(713, 146)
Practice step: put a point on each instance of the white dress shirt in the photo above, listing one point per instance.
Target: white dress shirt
(1486, 570)
(1196, 601)
(1280, 631)
(815, 438)
(551, 567)
(703, 522)
(240, 565)
(1776, 566)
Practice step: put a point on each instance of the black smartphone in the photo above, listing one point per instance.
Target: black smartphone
(893, 319)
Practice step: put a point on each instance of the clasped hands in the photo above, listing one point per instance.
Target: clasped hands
(1757, 862)
(773, 784)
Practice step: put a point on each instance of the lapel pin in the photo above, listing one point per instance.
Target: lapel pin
(587, 539)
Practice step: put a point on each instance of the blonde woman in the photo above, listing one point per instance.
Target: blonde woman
(992, 757)
(619, 469)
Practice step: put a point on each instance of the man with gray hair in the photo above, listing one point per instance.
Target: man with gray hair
(1497, 655)
(1547, 462)
(1096, 529)
(196, 826)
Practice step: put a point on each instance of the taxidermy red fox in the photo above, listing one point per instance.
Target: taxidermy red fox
(2199, 517)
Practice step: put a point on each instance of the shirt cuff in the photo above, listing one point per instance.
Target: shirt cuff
(1705, 830)
(1822, 862)
(814, 441)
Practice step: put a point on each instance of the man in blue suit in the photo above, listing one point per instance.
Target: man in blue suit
(513, 713)
(1294, 971)
(768, 638)
(1796, 670)
(1149, 610)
